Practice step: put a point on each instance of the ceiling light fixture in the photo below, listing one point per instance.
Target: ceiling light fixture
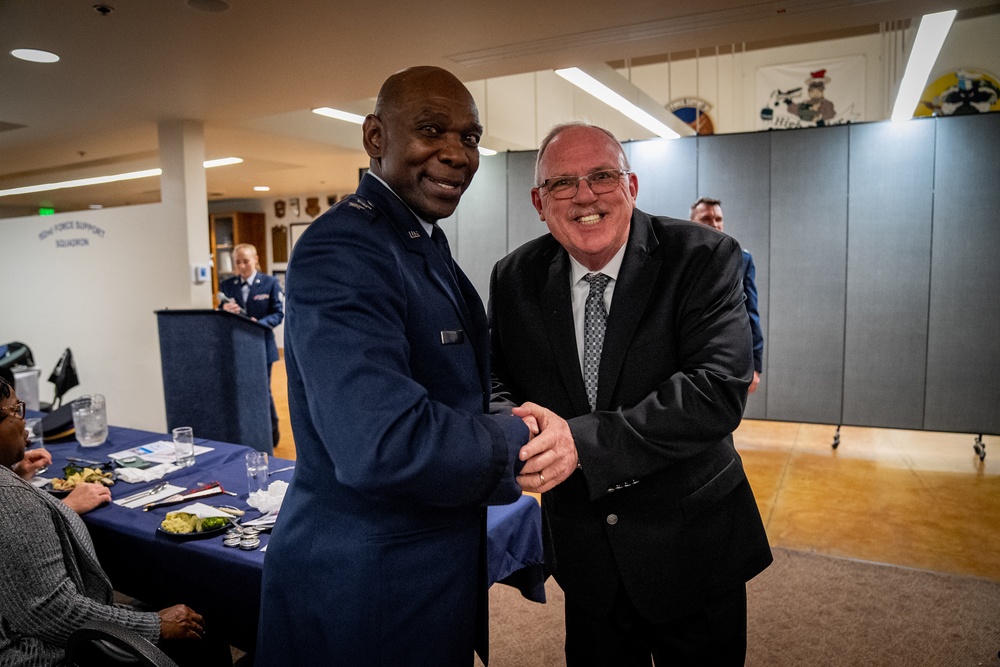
(926, 47)
(222, 162)
(113, 178)
(261, 188)
(486, 151)
(340, 115)
(35, 55)
(616, 91)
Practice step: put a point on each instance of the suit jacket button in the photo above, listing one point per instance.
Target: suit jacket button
(612, 519)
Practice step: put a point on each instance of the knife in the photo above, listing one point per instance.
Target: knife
(102, 464)
(210, 490)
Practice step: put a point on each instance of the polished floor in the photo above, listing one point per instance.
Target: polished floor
(911, 498)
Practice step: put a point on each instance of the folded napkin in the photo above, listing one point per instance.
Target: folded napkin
(136, 475)
(203, 511)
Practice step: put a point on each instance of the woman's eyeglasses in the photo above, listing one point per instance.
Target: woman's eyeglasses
(16, 410)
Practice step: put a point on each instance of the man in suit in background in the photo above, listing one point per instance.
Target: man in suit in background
(709, 212)
(379, 555)
(258, 296)
(631, 331)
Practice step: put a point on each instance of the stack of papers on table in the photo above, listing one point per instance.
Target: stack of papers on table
(156, 452)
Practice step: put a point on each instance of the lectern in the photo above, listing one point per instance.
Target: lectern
(215, 376)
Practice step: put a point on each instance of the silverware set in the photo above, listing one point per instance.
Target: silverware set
(142, 494)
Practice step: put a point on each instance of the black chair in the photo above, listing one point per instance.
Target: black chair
(105, 644)
(63, 379)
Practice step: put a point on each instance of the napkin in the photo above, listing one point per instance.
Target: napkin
(136, 475)
(270, 500)
(168, 490)
(203, 511)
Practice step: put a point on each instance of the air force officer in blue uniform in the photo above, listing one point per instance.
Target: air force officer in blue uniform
(379, 555)
(258, 296)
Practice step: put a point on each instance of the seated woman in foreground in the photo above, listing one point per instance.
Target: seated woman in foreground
(50, 580)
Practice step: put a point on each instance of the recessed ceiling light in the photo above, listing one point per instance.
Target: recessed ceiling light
(261, 188)
(35, 55)
(486, 151)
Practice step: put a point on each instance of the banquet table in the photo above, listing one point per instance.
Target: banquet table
(223, 583)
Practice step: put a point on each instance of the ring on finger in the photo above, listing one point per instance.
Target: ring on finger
(541, 477)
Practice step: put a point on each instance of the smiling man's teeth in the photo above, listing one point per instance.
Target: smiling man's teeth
(587, 219)
(443, 184)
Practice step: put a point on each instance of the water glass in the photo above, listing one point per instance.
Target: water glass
(183, 446)
(256, 472)
(34, 428)
(90, 420)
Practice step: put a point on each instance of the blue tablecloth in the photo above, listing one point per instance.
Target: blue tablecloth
(223, 583)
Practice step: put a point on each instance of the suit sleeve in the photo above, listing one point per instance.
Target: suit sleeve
(695, 407)
(360, 323)
(750, 290)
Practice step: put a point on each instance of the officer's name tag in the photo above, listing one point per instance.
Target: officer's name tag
(452, 337)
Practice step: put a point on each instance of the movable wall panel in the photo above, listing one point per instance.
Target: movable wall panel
(668, 175)
(736, 169)
(963, 358)
(481, 237)
(888, 273)
(523, 223)
(805, 340)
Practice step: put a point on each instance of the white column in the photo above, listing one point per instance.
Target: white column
(183, 188)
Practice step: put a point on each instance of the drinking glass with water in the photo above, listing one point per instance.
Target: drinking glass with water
(90, 420)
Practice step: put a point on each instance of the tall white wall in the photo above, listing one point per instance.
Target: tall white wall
(90, 281)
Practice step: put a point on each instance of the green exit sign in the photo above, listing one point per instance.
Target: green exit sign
(46, 211)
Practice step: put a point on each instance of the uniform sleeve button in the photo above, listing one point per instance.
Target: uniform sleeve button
(612, 519)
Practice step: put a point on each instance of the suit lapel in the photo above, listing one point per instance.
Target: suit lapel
(633, 289)
(557, 315)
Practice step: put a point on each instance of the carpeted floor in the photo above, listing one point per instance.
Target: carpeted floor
(808, 609)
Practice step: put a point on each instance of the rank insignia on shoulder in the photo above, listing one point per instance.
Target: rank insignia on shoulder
(358, 202)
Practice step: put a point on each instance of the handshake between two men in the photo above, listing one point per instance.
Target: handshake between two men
(550, 456)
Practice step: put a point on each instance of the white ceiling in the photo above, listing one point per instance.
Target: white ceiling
(251, 74)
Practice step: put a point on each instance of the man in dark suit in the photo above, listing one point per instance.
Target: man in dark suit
(708, 211)
(379, 555)
(630, 330)
(257, 296)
